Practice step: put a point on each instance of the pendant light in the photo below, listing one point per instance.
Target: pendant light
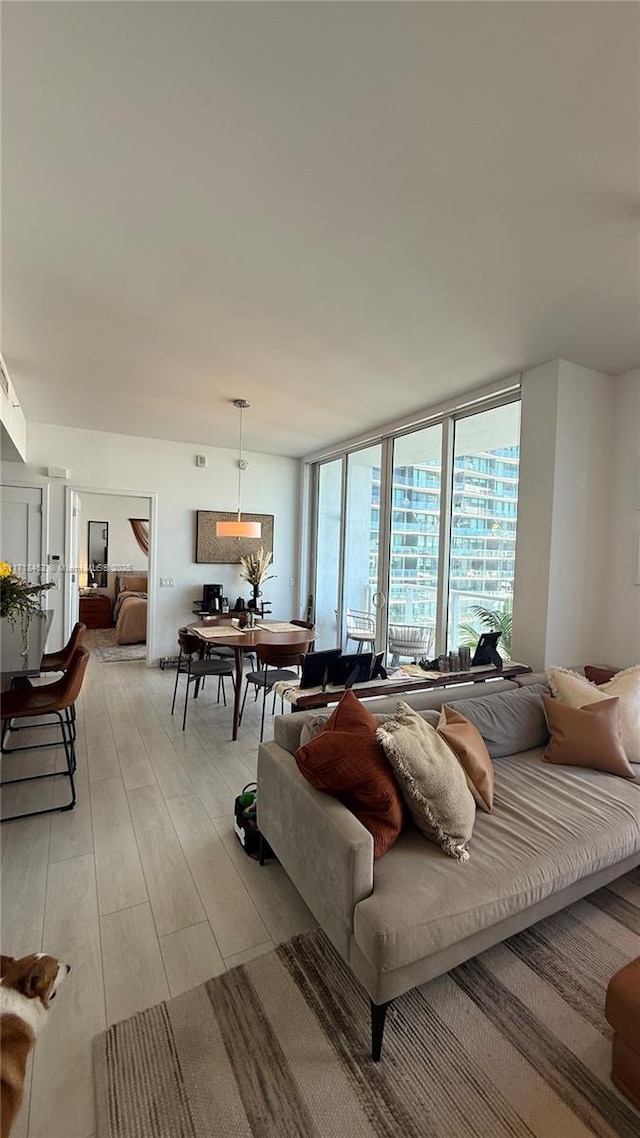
(238, 528)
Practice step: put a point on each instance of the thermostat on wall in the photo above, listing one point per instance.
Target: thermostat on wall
(201, 460)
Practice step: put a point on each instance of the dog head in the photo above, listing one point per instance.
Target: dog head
(32, 979)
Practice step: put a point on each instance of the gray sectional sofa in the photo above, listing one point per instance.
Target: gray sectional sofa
(555, 834)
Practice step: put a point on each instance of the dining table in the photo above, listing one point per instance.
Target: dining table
(21, 652)
(223, 632)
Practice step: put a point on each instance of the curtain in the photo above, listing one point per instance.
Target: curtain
(140, 527)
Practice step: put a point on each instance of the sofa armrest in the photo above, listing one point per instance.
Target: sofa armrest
(323, 848)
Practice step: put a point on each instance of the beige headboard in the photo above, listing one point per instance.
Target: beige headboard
(131, 583)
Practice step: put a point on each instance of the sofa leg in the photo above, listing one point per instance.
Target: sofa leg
(378, 1016)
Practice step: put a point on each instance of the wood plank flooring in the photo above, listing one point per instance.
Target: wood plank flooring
(143, 888)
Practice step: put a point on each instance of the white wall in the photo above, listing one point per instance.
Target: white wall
(123, 547)
(120, 462)
(535, 513)
(577, 450)
(620, 596)
(581, 503)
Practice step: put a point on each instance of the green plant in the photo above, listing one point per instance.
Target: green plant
(490, 620)
(19, 599)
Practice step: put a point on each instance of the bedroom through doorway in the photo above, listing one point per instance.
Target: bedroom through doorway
(109, 542)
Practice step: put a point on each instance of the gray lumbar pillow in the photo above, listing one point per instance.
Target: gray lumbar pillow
(312, 727)
(509, 721)
(431, 779)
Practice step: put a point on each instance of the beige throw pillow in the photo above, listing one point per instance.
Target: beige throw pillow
(431, 779)
(586, 736)
(470, 749)
(576, 691)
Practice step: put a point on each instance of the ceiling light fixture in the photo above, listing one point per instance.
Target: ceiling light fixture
(238, 528)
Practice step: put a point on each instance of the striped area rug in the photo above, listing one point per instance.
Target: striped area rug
(511, 1044)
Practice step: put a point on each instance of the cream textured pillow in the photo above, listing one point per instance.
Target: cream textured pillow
(577, 691)
(432, 782)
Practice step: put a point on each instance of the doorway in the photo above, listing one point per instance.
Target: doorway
(110, 585)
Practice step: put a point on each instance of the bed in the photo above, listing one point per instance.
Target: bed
(130, 608)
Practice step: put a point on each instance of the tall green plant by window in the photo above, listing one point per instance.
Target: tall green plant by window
(490, 620)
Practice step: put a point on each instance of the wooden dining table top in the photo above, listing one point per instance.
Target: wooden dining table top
(249, 638)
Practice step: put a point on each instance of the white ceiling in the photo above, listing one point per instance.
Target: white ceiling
(342, 212)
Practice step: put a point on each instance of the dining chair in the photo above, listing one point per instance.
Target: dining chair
(361, 628)
(196, 670)
(412, 640)
(274, 663)
(56, 699)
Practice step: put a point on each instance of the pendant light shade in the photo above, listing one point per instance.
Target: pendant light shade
(238, 527)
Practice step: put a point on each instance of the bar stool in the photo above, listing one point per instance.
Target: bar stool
(52, 662)
(54, 699)
(59, 661)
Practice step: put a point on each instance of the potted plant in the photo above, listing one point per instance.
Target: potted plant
(491, 620)
(255, 566)
(19, 599)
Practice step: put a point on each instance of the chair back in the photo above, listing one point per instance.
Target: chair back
(59, 661)
(189, 643)
(360, 622)
(282, 655)
(311, 627)
(410, 639)
(67, 689)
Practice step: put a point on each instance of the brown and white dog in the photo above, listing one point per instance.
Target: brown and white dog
(27, 987)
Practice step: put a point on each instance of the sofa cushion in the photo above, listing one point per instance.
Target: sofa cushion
(431, 779)
(293, 731)
(586, 736)
(576, 691)
(470, 749)
(509, 721)
(346, 760)
(551, 826)
(599, 675)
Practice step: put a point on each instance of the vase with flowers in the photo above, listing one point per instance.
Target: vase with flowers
(19, 599)
(255, 570)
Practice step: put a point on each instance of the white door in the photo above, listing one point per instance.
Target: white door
(21, 530)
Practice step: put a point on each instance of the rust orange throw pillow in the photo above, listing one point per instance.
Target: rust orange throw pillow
(586, 736)
(346, 760)
(470, 749)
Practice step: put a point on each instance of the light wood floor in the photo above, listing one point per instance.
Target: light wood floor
(143, 888)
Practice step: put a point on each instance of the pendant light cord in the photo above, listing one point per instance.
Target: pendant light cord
(240, 465)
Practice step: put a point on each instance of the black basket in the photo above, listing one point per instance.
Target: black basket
(246, 826)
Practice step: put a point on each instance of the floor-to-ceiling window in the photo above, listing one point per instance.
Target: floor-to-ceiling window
(418, 532)
(415, 543)
(484, 508)
(361, 541)
(328, 551)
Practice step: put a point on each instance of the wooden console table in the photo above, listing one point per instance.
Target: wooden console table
(307, 700)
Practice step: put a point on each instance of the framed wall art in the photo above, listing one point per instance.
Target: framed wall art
(213, 550)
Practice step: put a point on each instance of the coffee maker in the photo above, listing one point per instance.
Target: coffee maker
(212, 598)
